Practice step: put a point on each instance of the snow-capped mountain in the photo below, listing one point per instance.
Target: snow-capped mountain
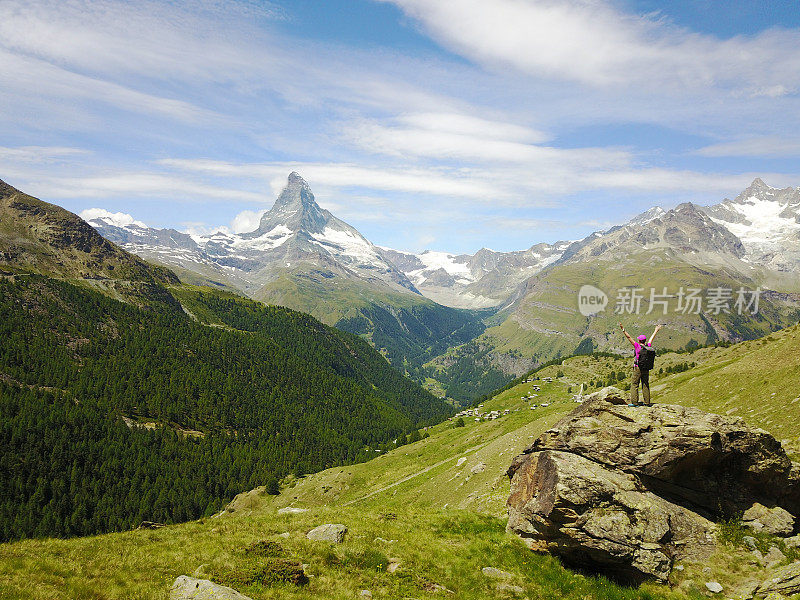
(767, 221)
(480, 280)
(296, 233)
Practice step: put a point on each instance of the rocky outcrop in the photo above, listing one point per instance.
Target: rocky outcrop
(627, 491)
(784, 581)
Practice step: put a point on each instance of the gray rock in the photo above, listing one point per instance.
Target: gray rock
(609, 394)
(775, 520)
(479, 468)
(774, 556)
(330, 532)
(291, 510)
(749, 541)
(365, 594)
(511, 589)
(713, 461)
(785, 580)
(461, 461)
(792, 542)
(495, 573)
(616, 489)
(577, 509)
(189, 588)
(714, 587)
(285, 534)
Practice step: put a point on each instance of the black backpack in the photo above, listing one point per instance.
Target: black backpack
(647, 358)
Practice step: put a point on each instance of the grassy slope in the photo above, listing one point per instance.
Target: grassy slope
(449, 521)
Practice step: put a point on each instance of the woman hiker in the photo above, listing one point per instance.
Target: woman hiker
(640, 375)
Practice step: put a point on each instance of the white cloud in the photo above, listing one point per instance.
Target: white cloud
(39, 154)
(659, 181)
(757, 146)
(118, 219)
(435, 181)
(470, 125)
(138, 184)
(474, 145)
(246, 221)
(35, 77)
(593, 42)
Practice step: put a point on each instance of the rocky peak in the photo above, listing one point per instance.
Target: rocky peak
(761, 191)
(647, 216)
(295, 208)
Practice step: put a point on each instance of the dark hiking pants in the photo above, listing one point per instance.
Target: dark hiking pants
(644, 378)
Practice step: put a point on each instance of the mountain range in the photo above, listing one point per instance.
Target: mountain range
(429, 312)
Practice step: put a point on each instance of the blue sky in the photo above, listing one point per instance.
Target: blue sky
(441, 124)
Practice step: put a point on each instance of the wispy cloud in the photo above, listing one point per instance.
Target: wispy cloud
(758, 146)
(119, 219)
(139, 184)
(39, 154)
(442, 182)
(596, 43)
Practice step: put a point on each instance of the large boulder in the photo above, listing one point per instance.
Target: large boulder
(627, 491)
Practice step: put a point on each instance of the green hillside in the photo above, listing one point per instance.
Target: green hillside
(433, 509)
(40, 237)
(125, 396)
(109, 402)
(407, 329)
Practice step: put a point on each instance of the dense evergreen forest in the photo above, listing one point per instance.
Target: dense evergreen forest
(410, 337)
(111, 413)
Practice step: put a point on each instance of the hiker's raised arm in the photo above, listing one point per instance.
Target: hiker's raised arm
(650, 341)
(630, 339)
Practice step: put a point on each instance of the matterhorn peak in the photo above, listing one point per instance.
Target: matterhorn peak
(295, 208)
(296, 179)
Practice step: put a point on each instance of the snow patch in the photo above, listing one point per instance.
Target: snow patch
(350, 243)
(765, 226)
(277, 236)
(443, 260)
